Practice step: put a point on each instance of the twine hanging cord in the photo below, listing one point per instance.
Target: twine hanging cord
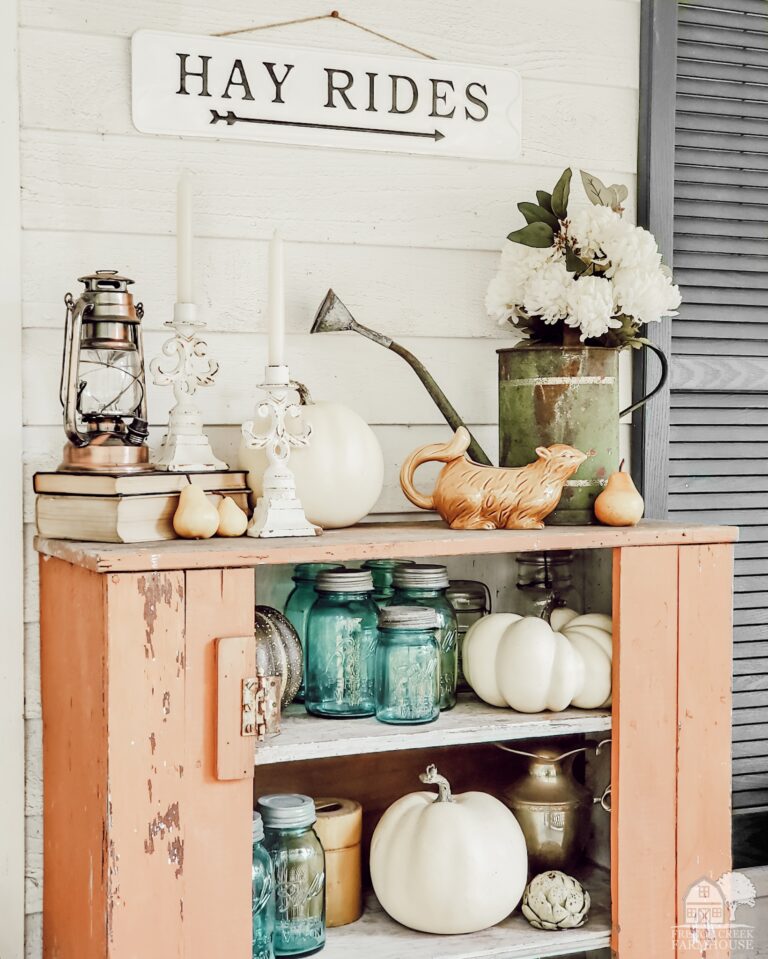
(333, 15)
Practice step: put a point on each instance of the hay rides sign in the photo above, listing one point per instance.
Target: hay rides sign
(248, 90)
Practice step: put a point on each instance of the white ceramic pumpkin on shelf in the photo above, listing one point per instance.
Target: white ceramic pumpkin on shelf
(531, 665)
(339, 473)
(448, 864)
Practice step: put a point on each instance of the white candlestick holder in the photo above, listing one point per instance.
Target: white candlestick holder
(185, 365)
(278, 510)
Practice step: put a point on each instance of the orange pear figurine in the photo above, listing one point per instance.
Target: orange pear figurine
(619, 504)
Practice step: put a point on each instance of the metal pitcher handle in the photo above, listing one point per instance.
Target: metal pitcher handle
(659, 386)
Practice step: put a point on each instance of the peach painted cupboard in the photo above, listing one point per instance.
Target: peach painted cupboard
(150, 782)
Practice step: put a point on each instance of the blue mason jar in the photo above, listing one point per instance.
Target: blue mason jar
(383, 571)
(407, 666)
(424, 584)
(340, 654)
(301, 599)
(262, 895)
(299, 865)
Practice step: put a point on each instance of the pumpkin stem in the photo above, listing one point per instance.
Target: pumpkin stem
(305, 398)
(433, 778)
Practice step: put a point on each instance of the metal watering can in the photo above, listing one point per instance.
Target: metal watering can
(333, 317)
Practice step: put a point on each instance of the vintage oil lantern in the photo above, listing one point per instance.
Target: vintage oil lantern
(103, 391)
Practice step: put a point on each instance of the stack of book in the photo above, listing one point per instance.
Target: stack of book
(123, 508)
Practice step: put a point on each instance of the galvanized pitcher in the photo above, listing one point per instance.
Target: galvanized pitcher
(564, 394)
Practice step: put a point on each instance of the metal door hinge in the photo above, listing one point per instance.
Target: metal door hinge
(247, 706)
(260, 713)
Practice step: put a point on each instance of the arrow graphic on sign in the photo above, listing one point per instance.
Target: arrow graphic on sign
(229, 118)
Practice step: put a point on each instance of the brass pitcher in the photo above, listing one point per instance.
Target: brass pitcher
(552, 808)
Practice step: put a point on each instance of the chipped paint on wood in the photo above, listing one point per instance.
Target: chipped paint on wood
(216, 874)
(374, 540)
(155, 589)
(159, 825)
(146, 621)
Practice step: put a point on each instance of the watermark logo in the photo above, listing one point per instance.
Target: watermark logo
(709, 914)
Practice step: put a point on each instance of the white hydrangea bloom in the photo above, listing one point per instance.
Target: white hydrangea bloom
(630, 278)
(547, 291)
(590, 307)
(645, 295)
(589, 227)
(631, 246)
(506, 289)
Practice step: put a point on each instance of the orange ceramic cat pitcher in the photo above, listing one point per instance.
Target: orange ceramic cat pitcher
(470, 496)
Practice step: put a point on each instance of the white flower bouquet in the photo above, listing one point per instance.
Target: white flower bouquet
(586, 276)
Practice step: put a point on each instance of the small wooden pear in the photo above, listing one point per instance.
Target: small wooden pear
(232, 520)
(619, 504)
(195, 516)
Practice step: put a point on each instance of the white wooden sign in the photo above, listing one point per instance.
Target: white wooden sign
(251, 90)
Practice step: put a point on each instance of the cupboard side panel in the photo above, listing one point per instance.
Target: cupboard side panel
(148, 813)
(217, 854)
(73, 667)
(644, 760)
(704, 716)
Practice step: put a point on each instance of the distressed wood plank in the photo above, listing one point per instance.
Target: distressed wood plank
(704, 715)
(314, 360)
(98, 182)
(217, 852)
(427, 538)
(720, 373)
(379, 936)
(439, 293)
(555, 45)
(306, 737)
(644, 767)
(73, 634)
(149, 817)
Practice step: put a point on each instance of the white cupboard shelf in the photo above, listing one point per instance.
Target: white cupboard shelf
(376, 936)
(309, 737)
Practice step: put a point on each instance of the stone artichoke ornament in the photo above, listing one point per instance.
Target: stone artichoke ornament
(554, 900)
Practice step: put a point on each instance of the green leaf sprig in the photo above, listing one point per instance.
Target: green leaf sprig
(543, 218)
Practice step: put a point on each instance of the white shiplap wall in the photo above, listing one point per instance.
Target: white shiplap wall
(409, 243)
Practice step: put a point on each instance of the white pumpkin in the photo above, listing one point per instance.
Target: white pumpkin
(532, 666)
(339, 474)
(448, 864)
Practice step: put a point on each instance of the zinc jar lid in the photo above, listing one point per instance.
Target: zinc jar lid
(345, 581)
(258, 827)
(287, 810)
(554, 557)
(467, 594)
(308, 572)
(408, 617)
(421, 575)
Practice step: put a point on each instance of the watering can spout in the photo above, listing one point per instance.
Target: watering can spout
(333, 317)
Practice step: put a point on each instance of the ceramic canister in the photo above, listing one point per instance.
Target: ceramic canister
(340, 828)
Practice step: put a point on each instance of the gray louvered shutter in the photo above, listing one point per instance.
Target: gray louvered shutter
(719, 401)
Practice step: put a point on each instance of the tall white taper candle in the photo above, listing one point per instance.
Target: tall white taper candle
(184, 287)
(276, 302)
